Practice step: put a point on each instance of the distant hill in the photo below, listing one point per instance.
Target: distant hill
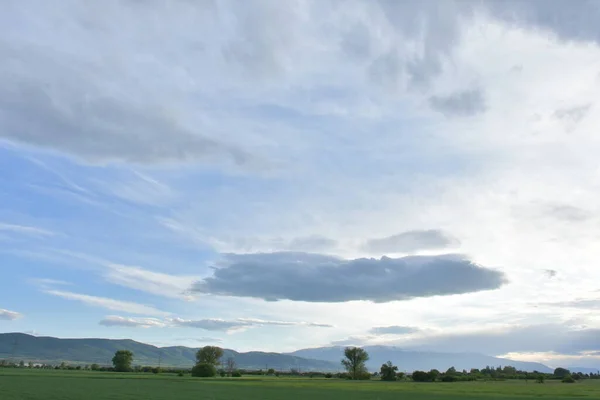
(101, 351)
(420, 360)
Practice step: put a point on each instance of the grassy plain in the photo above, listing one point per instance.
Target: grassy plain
(23, 384)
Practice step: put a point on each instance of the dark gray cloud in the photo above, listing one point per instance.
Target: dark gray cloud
(411, 241)
(464, 103)
(393, 330)
(320, 278)
(569, 20)
(96, 126)
(536, 338)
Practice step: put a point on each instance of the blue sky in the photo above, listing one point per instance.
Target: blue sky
(279, 175)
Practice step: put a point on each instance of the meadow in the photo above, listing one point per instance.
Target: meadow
(23, 384)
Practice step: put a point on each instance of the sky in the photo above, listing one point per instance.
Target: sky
(269, 175)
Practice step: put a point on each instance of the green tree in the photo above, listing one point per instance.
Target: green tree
(354, 362)
(561, 372)
(209, 355)
(388, 371)
(568, 379)
(271, 371)
(204, 370)
(94, 367)
(230, 366)
(122, 360)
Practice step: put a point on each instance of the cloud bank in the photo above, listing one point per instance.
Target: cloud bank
(320, 278)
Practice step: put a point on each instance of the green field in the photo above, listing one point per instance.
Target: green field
(22, 384)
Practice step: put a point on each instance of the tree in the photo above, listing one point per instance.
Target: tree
(568, 379)
(122, 360)
(230, 366)
(421, 376)
(561, 372)
(94, 367)
(388, 371)
(209, 355)
(204, 370)
(271, 371)
(355, 362)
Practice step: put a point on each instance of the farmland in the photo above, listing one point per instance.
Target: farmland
(24, 384)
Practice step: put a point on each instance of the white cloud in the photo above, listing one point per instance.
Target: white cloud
(151, 282)
(239, 324)
(115, 320)
(110, 304)
(9, 315)
(25, 230)
(343, 101)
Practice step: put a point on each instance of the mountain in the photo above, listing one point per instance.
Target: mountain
(420, 360)
(20, 346)
(584, 370)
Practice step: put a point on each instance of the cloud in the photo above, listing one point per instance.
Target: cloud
(393, 330)
(320, 278)
(238, 324)
(110, 304)
(149, 281)
(313, 243)
(569, 213)
(464, 103)
(551, 273)
(114, 320)
(8, 315)
(501, 340)
(411, 241)
(62, 96)
(25, 230)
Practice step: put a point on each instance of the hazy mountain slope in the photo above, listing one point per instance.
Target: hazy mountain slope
(101, 351)
(420, 360)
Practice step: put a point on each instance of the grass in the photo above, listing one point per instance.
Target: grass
(74, 385)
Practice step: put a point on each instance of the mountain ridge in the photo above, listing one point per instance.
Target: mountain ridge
(325, 359)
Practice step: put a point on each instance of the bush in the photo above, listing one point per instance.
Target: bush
(180, 373)
(236, 374)
(568, 379)
(204, 370)
(449, 378)
(328, 375)
(421, 376)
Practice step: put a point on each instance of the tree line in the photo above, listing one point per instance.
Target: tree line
(209, 363)
(355, 359)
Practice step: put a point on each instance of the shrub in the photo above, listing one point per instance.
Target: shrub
(328, 375)
(236, 374)
(449, 378)
(204, 370)
(421, 376)
(180, 373)
(568, 379)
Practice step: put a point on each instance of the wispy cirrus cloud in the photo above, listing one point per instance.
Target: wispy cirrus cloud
(25, 230)
(108, 303)
(208, 324)
(131, 322)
